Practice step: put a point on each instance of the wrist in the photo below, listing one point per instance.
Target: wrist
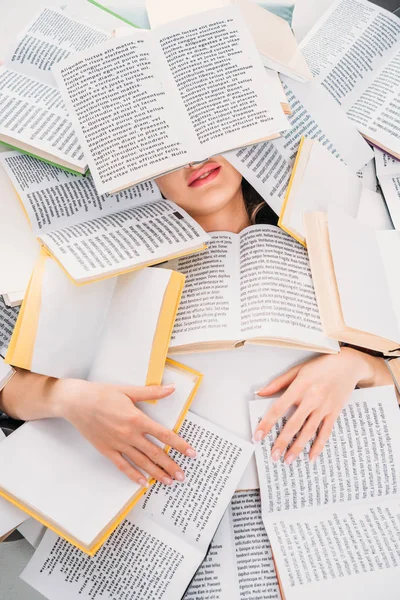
(63, 397)
(361, 365)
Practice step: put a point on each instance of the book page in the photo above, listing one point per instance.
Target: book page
(51, 37)
(144, 234)
(214, 51)
(388, 172)
(209, 308)
(10, 515)
(33, 113)
(267, 167)
(193, 510)
(8, 318)
(389, 246)
(139, 560)
(367, 175)
(360, 461)
(56, 199)
(33, 531)
(373, 211)
(135, 133)
(385, 164)
(359, 271)
(277, 296)
(349, 551)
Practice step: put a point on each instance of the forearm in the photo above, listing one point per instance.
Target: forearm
(29, 396)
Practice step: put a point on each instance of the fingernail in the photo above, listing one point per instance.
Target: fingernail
(167, 480)
(313, 459)
(191, 453)
(276, 455)
(142, 481)
(256, 392)
(259, 435)
(289, 459)
(169, 386)
(180, 476)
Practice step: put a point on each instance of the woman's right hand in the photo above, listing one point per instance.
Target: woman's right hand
(106, 415)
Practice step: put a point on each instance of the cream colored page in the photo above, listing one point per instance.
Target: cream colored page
(373, 211)
(122, 354)
(70, 324)
(54, 198)
(363, 288)
(209, 308)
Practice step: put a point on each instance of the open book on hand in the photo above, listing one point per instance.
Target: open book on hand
(358, 65)
(318, 180)
(138, 102)
(50, 471)
(334, 524)
(356, 278)
(33, 118)
(252, 287)
(94, 236)
(112, 331)
(158, 547)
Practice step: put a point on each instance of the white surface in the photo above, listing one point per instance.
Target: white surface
(373, 211)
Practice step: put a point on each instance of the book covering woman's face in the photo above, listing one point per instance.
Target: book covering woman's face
(203, 189)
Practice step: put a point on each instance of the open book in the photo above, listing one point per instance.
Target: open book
(113, 331)
(50, 471)
(388, 173)
(272, 35)
(94, 236)
(318, 180)
(33, 117)
(8, 318)
(357, 69)
(252, 287)
(239, 563)
(158, 118)
(334, 524)
(156, 550)
(356, 279)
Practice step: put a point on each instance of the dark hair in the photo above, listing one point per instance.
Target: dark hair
(257, 209)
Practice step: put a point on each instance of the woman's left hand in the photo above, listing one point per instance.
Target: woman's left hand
(318, 389)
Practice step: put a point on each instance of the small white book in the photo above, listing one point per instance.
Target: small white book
(157, 117)
(93, 236)
(356, 278)
(272, 35)
(52, 473)
(254, 287)
(334, 524)
(113, 331)
(318, 180)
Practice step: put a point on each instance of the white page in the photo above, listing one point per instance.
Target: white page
(385, 164)
(277, 299)
(70, 323)
(326, 181)
(8, 318)
(389, 245)
(14, 299)
(368, 175)
(360, 461)
(209, 308)
(210, 482)
(230, 379)
(6, 372)
(342, 552)
(139, 560)
(33, 531)
(373, 211)
(306, 13)
(314, 115)
(363, 288)
(18, 246)
(124, 350)
(54, 198)
(147, 233)
(390, 185)
(10, 515)
(50, 37)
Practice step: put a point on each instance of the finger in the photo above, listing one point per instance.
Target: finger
(168, 437)
(148, 392)
(123, 465)
(308, 432)
(142, 461)
(280, 383)
(323, 436)
(276, 412)
(293, 426)
(160, 458)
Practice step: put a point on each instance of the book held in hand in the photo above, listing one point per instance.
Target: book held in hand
(356, 279)
(138, 102)
(254, 287)
(94, 236)
(50, 471)
(113, 331)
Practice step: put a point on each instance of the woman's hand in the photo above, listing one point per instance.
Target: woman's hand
(106, 415)
(318, 389)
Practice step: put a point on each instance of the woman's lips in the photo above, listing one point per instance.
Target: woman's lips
(205, 174)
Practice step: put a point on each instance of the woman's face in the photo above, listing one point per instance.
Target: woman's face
(202, 189)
